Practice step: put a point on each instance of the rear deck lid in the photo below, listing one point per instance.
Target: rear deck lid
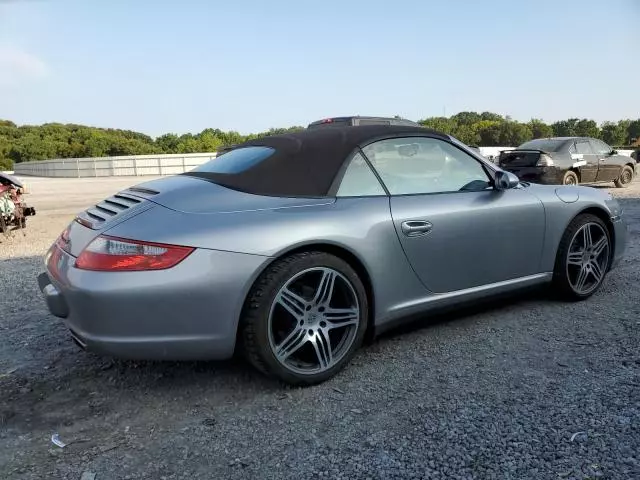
(519, 158)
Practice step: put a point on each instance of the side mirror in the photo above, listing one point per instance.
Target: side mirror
(505, 180)
(613, 152)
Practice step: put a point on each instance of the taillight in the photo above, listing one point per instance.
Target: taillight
(63, 241)
(545, 161)
(112, 254)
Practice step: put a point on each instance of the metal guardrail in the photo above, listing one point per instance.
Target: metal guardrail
(130, 165)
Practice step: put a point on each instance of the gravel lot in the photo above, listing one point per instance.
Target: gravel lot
(523, 389)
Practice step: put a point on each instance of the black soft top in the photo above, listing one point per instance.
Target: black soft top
(305, 163)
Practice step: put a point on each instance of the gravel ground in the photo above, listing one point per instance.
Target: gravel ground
(523, 389)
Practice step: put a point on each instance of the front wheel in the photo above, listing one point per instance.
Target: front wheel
(305, 318)
(625, 178)
(583, 258)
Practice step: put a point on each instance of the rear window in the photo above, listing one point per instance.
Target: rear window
(236, 161)
(373, 121)
(515, 158)
(544, 144)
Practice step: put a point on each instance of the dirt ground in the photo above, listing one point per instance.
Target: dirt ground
(525, 388)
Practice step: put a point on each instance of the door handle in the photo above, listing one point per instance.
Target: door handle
(414, 228)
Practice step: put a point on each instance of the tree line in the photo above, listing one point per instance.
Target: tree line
(56, 140)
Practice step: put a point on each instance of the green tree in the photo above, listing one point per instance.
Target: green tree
(493, 117)
(614, 133)
(633, 131)
(565, 128)
(587, 128)
(168, 142)
(441, 124)
(488, 132)
(466, 118)
(539, 129)
(466, 134)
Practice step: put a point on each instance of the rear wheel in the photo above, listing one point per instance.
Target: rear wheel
(305, 318)
(583, 258)
(625, 178)
(570, 178)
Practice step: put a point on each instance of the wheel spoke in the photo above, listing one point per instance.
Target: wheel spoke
(294, 304)
(324, 293)
(575, 258)
(319, 302)
(322, 345)
(599, 246)
(341, 317)
(581, 279)
(596, 271)
(586, 233)
(296, 339)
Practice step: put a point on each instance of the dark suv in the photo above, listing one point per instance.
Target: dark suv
(568, 161)
(358, 120)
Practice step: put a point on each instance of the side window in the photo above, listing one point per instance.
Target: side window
(572, 148)
(600, 147)
(359, 180)
(584, 147)
(419, 165)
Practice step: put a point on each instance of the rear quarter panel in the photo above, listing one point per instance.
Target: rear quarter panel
(361, 226)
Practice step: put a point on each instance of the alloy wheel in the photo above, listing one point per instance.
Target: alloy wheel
(626, 177)
(588, 258)
(313, 320)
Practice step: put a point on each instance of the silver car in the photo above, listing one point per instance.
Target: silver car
(294, 248)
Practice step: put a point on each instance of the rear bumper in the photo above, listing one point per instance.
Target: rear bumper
(189, 312)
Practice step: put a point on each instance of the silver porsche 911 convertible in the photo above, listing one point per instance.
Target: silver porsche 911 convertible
(294, 248)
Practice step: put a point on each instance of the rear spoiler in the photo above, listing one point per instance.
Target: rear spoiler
(524, 150)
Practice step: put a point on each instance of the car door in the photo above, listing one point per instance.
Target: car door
(585, 160)
(609, 166)
(457, 231)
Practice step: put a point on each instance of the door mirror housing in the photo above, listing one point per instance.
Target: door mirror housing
(505, 180)
(613, 152)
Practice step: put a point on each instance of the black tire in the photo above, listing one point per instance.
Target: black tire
(255, 324)
(570, 178)
(625, 178)
(561, 285)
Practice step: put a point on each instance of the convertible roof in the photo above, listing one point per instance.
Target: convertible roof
(305, 163)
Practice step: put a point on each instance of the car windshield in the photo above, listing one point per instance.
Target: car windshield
(236, 161)
(544, 144)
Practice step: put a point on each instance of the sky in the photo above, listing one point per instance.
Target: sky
(160, 66)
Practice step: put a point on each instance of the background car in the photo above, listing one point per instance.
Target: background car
(292, 248)
(358, 120)
(568, 161)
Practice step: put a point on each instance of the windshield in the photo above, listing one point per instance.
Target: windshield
(544, 144)
(236, 161)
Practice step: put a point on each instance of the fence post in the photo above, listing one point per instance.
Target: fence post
(95, 171)
(159, 165)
